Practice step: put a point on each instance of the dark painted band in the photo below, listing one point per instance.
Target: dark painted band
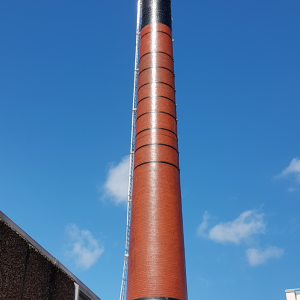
(156, 67)
(157, 128)
(158, 11)
(157, 144)
(157, 112)
(160, 52)
(157, 298)
(150, 82)
(149, 97)
(157, 162)
(156, 31)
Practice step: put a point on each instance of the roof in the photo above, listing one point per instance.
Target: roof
(82, 287)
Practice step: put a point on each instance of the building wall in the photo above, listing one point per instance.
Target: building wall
(293, 294)
(26, 274)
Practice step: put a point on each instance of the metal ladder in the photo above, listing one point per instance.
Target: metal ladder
(132, 149)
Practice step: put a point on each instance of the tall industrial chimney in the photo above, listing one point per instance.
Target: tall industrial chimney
(156, 263)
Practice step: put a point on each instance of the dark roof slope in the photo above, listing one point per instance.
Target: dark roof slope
(28, 271)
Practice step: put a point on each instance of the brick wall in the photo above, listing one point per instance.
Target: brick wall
(26, 274)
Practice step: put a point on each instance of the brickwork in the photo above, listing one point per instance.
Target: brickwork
(26, 274)
(156, 269)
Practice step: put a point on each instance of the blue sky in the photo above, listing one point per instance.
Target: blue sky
(66, 81)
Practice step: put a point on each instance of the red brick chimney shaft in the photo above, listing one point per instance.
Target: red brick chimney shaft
(156, 267)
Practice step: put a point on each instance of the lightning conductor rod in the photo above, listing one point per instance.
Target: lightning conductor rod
(156, 261)
(132, 147)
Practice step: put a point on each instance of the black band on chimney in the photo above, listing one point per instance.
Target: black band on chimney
(157, 298)
(159, 13)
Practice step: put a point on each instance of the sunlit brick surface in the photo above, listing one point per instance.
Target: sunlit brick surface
(156, 255)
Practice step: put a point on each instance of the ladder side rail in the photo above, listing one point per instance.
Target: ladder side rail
(132, 149)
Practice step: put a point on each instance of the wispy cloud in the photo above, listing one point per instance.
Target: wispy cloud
(201, 231)
(291, 190)
(244, 227)
(292, 169)
(257, 257)
(85, 249)
(204, 282)
(116, 185)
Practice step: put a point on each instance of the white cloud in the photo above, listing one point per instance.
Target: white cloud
(242, 228)
(291, 190)
(293, 168)
(257, 257)
(201, 231)
(116, 185)
(85, 249)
